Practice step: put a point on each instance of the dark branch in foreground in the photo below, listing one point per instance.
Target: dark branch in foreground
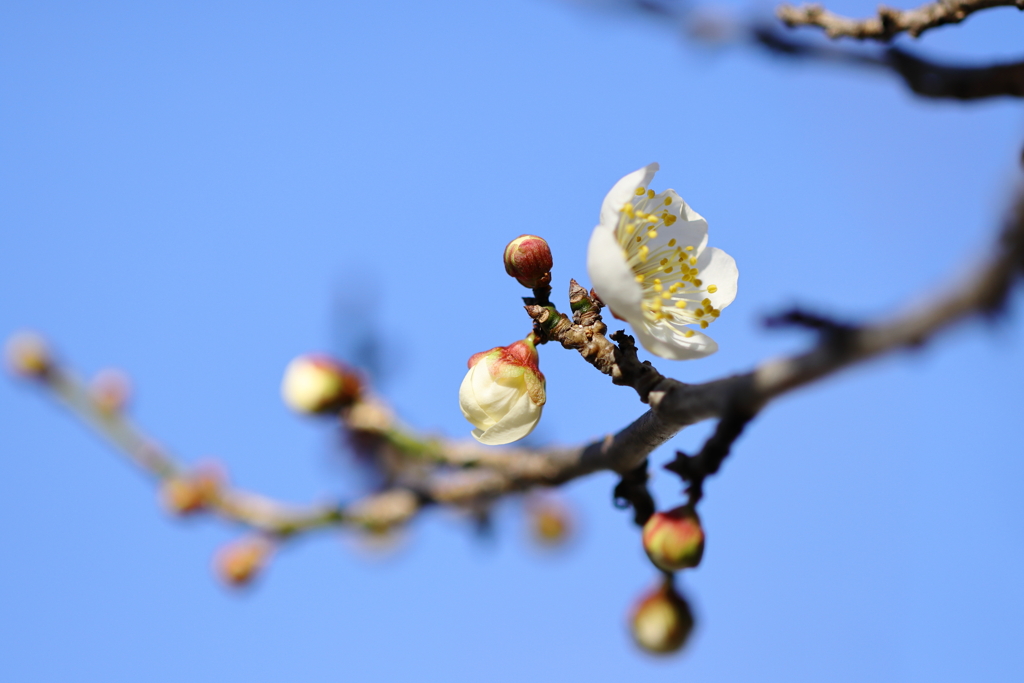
(890, 21)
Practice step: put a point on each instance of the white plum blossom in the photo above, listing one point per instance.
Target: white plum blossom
(503, 393)
(649, 262)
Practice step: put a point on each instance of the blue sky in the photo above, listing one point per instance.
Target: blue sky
(197, 193)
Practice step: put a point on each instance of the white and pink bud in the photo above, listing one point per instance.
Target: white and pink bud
(662, 620)
(315, 384)
(528, 260)
(674, 540)
(28, 355)
(503, 393)
(111, 390)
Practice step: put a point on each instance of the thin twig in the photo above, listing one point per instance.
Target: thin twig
(890, 21)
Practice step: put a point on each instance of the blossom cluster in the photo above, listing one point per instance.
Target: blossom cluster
(649, 263)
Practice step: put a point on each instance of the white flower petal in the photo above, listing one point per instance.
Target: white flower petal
(517, 423)
(668, 341)
(610, 274)
(719, 269)
(470, 407)
(625, 191)
(494, 398)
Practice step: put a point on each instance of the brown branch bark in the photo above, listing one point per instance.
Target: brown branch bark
(466, 474)
(890, 21)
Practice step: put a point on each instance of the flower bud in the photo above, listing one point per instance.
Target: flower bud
(503, 393)
(110, 391)
(528, 260)
(193, 492)
(238, 563)
(28, 355)
(662, 620)
(319, 384)
(674, 540)
(550, 521)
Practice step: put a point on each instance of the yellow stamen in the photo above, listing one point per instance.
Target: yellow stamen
(644, 250)
(689, 333)
(650, 194)
(704, 324)
(639, 191)
(689, 249)
(668, 200)
(712, 288)
(640, 277)
(706, 302)
(680, 304)
(669, 219)
(672, 242)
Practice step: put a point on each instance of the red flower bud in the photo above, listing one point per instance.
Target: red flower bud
(674, 540)
(528, 260)
(662, 620)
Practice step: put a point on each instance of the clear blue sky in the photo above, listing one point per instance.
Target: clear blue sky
(196, 192)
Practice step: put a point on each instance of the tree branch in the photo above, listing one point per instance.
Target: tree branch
(890, 21)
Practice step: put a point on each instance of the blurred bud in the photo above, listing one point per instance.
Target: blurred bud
(662, 620)
(111, 389)
(319, 384)
(528, 260)
(550, 521)
(28, 355)
(193, 492)
(238, 563)
(674, 540)
(503, 393)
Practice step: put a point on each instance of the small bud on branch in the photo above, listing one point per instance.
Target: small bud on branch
(528, 260)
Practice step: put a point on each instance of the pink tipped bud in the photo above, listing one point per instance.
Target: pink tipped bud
(193, 492)
(528, 260)
(111, 390)
(319, 384)
(238, 563)
(674, 540)
(503, 393)
(662, 621)
(28, 355)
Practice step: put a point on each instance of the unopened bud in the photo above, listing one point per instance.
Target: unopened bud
(238, 563)
(503, 393)
(193, 492)
(319, 384)
(662, 620)
(674, 540)
(550, 522)
(528, 260)
(111, 390)
(28, 355)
